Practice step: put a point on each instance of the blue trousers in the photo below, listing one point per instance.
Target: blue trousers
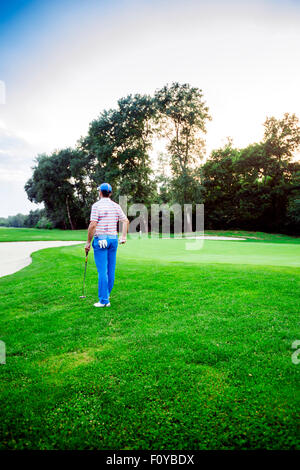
(105, 259)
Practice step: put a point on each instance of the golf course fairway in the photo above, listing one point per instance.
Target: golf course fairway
(195, 352)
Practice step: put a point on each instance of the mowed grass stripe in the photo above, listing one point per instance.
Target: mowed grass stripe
(214, 251)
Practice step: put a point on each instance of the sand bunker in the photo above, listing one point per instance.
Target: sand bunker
(16, 255)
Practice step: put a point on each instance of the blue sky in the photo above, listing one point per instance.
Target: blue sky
(65, 61)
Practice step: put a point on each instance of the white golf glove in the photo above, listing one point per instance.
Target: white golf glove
(102, 243)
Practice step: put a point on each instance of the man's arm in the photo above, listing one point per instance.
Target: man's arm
(91, 233)
(125, 225)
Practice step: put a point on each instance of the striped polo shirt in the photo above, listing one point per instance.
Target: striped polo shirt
(107, 214)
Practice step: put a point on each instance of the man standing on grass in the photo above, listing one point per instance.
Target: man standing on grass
(105, 215)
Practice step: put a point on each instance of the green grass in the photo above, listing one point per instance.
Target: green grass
(255, 236)
(195, 352)
(31, 234)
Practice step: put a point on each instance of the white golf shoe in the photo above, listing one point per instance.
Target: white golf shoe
(98, 304)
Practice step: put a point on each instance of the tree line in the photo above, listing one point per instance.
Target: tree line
(253, 188)
(36, 218)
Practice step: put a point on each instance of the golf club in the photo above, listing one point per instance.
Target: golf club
(83, 296)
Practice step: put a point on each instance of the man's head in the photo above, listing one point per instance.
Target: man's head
(105, 190)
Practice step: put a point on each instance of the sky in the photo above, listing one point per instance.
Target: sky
(62, 62)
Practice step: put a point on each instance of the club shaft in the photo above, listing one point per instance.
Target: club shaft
(85, 266)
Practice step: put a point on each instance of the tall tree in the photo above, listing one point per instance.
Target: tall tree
(118, 144)
(221, 184)
(282, 136)
(281, 142)
(183, 116)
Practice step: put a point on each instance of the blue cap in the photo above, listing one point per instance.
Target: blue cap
(105, 187)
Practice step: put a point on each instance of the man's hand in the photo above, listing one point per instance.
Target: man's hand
(91, 233)
(125, 226)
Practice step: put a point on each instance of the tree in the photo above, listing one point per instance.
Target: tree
(255, 188)
(16, 220)
(183, 115)
(117, 147)
(220, 186)
(52, 183)
(282, 136)
(281, 141)
(33, 217)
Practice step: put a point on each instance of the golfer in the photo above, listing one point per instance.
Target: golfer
(105, 215)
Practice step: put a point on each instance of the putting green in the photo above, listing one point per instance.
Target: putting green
(212, 251)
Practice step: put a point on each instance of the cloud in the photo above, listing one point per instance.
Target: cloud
(16, 161)
(16, 156)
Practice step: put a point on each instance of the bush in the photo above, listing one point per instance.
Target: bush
(293, 215)
(33, 217)
(44, 223)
